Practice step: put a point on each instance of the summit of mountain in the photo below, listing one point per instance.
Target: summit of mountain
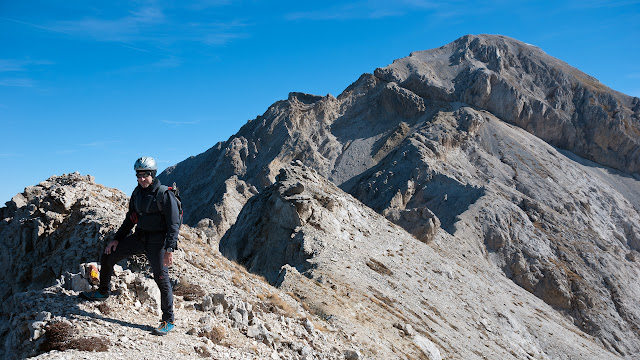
(522, 85)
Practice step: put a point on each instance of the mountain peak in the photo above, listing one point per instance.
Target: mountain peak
(526, 87)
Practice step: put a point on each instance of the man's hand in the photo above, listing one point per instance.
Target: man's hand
(111, 247)
(168, 259)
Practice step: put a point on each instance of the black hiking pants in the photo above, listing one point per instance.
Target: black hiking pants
(152, 245)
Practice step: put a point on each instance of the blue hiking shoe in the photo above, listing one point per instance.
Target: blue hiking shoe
(94, 295)
(164, 328)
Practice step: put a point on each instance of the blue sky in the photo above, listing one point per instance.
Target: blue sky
(90, 86)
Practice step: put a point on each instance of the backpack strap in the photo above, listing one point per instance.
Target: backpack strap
(132, 205)
(134, 196)
(160, 195)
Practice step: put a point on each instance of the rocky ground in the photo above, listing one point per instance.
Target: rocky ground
(223, 313)
(221, 310)
(335, 280)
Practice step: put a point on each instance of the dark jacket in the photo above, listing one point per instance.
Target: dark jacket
(144, 211)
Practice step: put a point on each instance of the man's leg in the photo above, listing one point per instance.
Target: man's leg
(155, 255)
(130, 245)
(127, 247)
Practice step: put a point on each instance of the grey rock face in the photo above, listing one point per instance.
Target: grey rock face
(52, 227)
(551, 224)
(395, 294)
(431, 143)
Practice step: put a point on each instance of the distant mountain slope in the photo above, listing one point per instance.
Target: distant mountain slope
(435, 143)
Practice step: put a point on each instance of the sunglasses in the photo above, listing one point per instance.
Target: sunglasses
(143, 174)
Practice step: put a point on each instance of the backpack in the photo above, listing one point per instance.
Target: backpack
(176, 192)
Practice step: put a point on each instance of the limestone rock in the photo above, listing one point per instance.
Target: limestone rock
(427, 347)
(52, 228)
(148, 293)
(365, 274)
(522, 85)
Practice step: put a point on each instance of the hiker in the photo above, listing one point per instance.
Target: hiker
(155, 212)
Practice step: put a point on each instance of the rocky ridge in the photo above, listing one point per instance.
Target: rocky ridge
(221, 310)
(431, 143)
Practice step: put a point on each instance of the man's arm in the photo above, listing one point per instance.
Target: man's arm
(129, 222)
(172, 219)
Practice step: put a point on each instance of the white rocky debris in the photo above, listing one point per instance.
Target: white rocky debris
(391, 292)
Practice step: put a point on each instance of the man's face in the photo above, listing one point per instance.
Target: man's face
(144, 178)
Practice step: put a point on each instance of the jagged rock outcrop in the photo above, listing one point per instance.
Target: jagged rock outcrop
(431, 143)
(53, 226)
(393, 293)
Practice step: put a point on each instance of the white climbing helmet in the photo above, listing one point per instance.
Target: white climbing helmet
(145, 163)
